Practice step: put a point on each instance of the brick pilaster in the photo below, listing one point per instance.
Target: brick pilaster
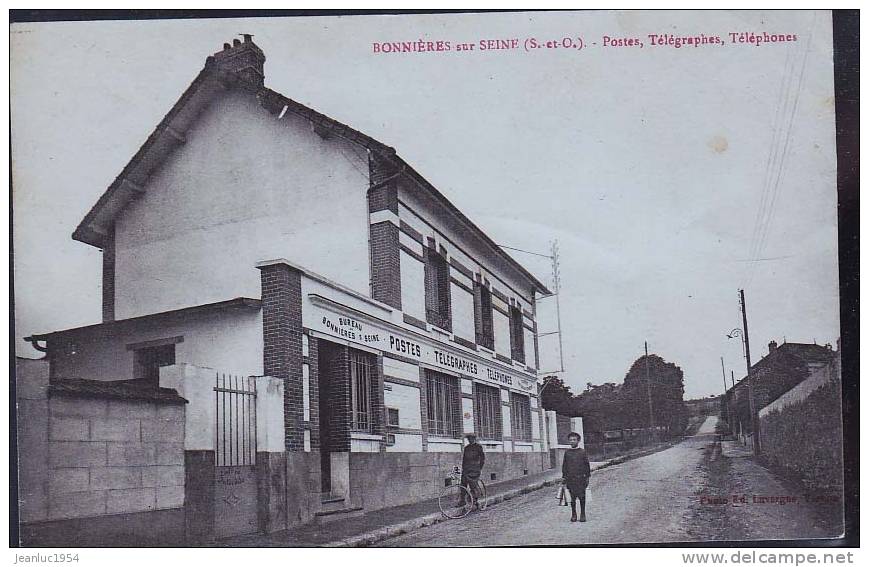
(456, 402)
(383, 236)
(423, 407)
(339, 400)
(314, 390)
(282, 343)
(378, 412)
(385, 263)
(383, 179)
(536, 347)
(109, 276)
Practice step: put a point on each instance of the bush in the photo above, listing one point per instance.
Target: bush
(805, 439)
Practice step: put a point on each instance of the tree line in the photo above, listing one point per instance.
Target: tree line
(651, 394)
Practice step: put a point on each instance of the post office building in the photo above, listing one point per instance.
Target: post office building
(326, 324)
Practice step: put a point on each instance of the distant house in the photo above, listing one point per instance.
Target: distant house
(703, 406)
(783, 367)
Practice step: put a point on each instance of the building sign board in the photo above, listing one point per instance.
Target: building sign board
(356, 330)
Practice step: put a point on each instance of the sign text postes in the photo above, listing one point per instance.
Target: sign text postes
(404, 346)
(365, 333)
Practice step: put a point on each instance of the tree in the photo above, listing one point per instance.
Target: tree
(665, 383)
(600, 406)
(556, 396)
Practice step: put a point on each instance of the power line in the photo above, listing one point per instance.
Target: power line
(556, 284)
(773, 177)
(526, 251)
(788, 139)
(772, 156)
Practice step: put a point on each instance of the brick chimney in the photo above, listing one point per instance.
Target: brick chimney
(243, 58)
(772, 346)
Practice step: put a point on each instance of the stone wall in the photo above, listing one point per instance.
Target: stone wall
(801, 432)
(32, 429)
(113, 457)
(90, 457)
(380, 480)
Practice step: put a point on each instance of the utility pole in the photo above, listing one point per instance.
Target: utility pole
(649, 393)
(732, 379)
(556, 283)
(724, 398)
(755, 429)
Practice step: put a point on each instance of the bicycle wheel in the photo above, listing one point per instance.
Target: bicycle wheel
(455, 501)
(482, 500)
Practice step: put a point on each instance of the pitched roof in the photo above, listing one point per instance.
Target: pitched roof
(110, 328)
(213, 80)
(804, 352)
(807, 352)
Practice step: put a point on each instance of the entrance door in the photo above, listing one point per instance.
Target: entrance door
(325, 359)
(235, 490)
(346, 379)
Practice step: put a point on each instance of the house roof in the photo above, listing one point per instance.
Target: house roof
(243, 303)
(209, 84)
(807, 353)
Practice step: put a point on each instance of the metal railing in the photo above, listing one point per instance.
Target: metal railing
(235, 420)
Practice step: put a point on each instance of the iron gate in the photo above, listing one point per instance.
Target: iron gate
(235, 455)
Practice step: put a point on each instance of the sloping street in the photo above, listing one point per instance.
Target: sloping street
(669, 496)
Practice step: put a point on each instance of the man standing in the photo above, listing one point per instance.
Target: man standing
(575, 472)
(473, 460)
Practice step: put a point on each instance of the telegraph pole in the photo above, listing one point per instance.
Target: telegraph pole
(649, 393)
(732, 379)
(755, 429)
(724, 397)
(556, 284)
(556, 281)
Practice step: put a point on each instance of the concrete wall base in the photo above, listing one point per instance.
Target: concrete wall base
(272, 491)
(199, 496)
(303, 487)
(157, 528)
(381, 480)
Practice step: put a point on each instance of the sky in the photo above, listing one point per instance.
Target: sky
(670, 177)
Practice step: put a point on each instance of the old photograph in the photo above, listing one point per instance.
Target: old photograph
(427, 280)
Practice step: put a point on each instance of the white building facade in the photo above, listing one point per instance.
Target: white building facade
(253, 236)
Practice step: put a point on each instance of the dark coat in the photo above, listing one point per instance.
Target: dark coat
(576, 469)
(473, 459)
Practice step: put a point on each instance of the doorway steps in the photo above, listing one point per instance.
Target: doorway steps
(335, 507)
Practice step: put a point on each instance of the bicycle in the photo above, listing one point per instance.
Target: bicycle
(456, 501)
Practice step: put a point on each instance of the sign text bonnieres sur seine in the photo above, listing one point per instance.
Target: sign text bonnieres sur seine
(380, 338)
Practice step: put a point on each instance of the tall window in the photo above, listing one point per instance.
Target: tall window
(361, 371)
(521, 413)
(150, 359)
(437, 290)
(517, 335)
(444, 401)
(488, 411)
(485, 326)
